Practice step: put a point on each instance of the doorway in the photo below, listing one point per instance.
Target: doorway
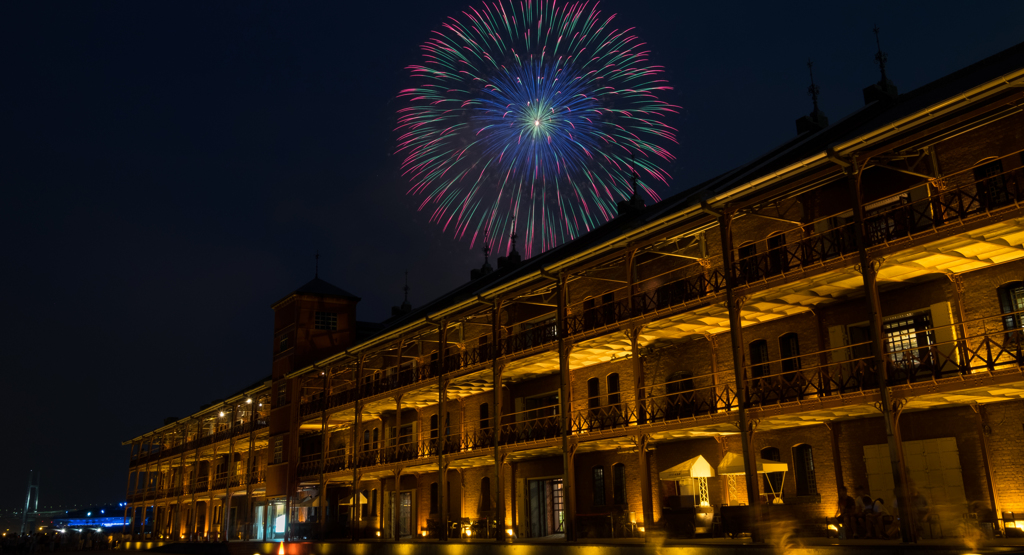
(547, 509)
(405, 514)
(399, 511)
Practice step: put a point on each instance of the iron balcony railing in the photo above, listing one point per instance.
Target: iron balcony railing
(191, 445)
(924, 208)
(986, 345)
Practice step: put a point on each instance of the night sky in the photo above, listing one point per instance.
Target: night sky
(169, 169)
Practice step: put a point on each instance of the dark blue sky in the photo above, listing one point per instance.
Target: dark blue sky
(169, 169)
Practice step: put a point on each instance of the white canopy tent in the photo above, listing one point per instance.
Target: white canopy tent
(732, 465)
(348, 500)
(697, 468)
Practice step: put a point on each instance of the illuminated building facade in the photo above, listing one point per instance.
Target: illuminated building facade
(845, 310)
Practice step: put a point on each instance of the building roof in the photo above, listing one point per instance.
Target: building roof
(871, 120)
(867, 120)
(321, 288)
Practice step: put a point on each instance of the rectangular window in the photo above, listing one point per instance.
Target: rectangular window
(282, 395)
(278, 450)
(1011, 301)
(598, 485)
(885, 220)
(283, 344)
(326, 321)
(906, 335)
(991, 186)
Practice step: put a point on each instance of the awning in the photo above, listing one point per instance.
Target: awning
(312, 501)
(733, 464)
(697, 467)
(348, 500)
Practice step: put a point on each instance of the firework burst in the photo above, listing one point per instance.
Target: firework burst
(526, 115)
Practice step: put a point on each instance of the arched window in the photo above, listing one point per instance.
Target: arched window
(598, 485)
(789, 349)
(772, 480)
(619, 484)
(747, 255)
(593, 393)
(613, 389)
(1011, 303)
(433, 498)
(485, 493)
(778, 261)
(803, 465)
(485, 416)
(991, 185)
(759, 358)
(484, 348)
(376, 438)
(680, 396)
(366, 440)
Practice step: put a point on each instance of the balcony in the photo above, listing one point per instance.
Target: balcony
(923, 210)
(917, 212)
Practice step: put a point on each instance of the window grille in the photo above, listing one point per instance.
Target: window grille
(326, 321)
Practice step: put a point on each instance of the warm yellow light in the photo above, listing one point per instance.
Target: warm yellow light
(222, 414)
(423, 533)
(468, 532)
(280, 549)
(378, 533)
(508, 531)
(248, 401)
(642, 529)
(833, 528)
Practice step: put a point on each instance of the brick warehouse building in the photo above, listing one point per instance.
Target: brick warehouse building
(845, 310)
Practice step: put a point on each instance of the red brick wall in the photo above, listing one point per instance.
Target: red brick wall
(1006, 451)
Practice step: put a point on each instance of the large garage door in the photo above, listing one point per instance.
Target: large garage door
(933, 466)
